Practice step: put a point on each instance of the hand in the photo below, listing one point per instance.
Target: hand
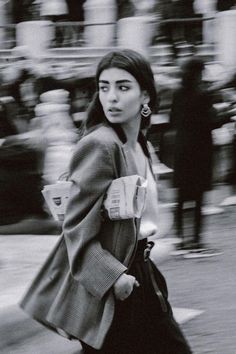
(124, 286)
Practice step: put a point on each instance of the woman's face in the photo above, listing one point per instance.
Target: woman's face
(121, 96)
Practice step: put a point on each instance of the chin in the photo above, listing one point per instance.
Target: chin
(114, 120)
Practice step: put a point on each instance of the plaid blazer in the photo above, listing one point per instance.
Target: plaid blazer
(73, 289)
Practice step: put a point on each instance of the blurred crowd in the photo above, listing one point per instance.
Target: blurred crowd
(41, 119)
(73, 10)
(175, 20)
(43, 105)
(40, 108)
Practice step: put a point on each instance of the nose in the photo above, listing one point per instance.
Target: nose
(112, 95)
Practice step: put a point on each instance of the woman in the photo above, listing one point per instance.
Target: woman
(99, 284)
(193, 117)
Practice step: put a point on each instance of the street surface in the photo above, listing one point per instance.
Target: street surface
(20, 257)
(205, 285)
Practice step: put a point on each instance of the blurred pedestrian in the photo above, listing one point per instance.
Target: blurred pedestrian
(99, 284)
(75, 10)
(75, 14)
(79, 84)
(55, 11)
(227, 88)
(193, 118)
(125, 8)
(21, 10)
(21, 156)
(176, 28)
(224, 5)
(19, 81)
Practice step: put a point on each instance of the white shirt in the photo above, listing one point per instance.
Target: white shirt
(150, 217)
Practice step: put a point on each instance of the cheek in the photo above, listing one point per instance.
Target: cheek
(134, 104)
(102, 99)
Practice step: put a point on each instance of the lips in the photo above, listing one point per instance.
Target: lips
(114, 110)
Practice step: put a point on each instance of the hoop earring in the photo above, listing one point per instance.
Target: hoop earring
(146, 110)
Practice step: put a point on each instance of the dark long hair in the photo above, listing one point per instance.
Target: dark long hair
(138, 67)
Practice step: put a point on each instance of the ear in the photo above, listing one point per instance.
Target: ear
(145, 97)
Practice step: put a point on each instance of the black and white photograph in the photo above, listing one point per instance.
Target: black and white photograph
(117, 176)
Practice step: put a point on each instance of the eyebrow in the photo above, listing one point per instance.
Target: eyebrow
(117, 82)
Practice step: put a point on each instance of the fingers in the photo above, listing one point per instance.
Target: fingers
(125, 295)
(124, 286)
(122, 294)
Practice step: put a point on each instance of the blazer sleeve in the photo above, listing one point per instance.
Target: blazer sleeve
(92, 172)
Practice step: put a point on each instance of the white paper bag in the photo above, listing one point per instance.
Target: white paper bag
(56, 196)
(126, 197)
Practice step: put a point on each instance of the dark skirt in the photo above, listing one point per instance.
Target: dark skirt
(144, 322)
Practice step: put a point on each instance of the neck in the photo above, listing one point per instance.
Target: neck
(131, 130)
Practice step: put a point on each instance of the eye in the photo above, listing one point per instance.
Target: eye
(103, 88)
(124, 88)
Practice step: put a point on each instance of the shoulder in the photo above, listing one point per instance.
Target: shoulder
(102, 136)
(99, 153)
(100, 144)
